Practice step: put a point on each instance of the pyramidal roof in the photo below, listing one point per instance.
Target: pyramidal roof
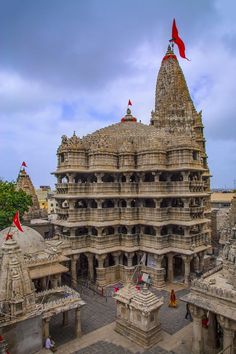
(171, 86)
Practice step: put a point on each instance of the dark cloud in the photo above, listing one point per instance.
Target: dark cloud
(86, 43)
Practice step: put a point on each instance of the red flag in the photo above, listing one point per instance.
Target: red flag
(8, 237)
(16, 221)
(23, 164)
(177, 40)
(129, 103)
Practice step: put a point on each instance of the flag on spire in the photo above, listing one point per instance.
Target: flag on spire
(129, 103)
(177, 40)
(16, 221)
(23, 164)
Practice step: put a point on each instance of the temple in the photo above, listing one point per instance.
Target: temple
(131, 189)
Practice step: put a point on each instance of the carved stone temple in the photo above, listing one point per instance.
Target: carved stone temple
(137, 315)
(24, 313)
(132, 188)
(214, 297)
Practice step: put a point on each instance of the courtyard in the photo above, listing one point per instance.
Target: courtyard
(98, 321)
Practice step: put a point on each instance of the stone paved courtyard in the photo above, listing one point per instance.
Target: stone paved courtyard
(103, 347)
(100, 311)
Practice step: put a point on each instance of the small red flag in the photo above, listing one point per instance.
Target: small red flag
(129, 103)
(177, 40)
(8, 237)
(23, 164)
(116, 289)
(16, 221)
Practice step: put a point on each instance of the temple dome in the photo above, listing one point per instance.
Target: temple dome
(122, 137)
(29, 241)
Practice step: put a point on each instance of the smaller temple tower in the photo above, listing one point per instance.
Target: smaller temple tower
(17, 294)
(24, 182)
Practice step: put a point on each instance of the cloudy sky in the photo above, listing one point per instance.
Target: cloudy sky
(73, 65)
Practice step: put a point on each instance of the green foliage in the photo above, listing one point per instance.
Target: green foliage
(12, 200)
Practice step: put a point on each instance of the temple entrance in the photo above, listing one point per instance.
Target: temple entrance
(178, 268)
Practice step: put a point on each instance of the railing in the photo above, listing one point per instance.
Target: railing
(111, 188)
(129, 214)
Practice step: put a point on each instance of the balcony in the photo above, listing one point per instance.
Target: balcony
(129, 188)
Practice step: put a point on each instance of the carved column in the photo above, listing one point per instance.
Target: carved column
(46, 327)
(228, 333)
(90, 265)
(187, 261)
(78, 323)
(116, 256)
(74, 270)
(130, 259)
(201, 261)
(197, 343)
(158, 259)
(101, 271)
(72, 232)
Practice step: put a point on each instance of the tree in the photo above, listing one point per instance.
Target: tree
(12, 200)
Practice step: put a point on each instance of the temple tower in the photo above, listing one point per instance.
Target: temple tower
(24, 182)
(17, 294)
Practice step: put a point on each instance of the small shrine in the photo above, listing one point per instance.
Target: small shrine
(137, 315)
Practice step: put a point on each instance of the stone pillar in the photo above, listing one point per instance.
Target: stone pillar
(197, 342)
(71, 203)
(99, 203)
(78, 323)
(99, 177)
(158, 259)
(187, 261)
(211, 343)
(90, 265)
(100, 258)
(74, 270)
(196, 263)
(170, 275)
(70, 177)
(65, 320)
(116, 256)
(54, 281)
(201, 261)
(129, 259)
(72, 232)
(228, 337)
(46, 327)
(228, 333)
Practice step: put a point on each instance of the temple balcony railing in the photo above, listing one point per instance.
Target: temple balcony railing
(132, 188)
(188, 241)
(63, 213)
(153, 241)
(141, 214)
(129, 240)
